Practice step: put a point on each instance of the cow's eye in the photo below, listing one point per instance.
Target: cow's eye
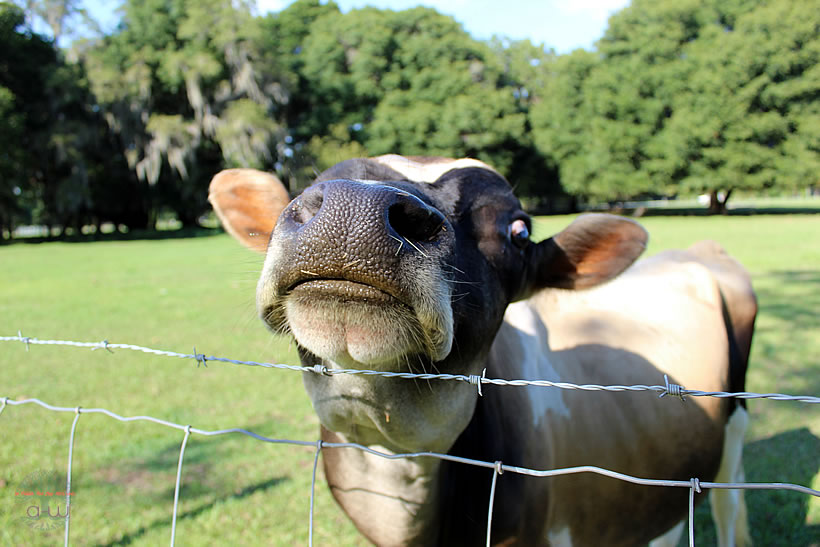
(519, 233)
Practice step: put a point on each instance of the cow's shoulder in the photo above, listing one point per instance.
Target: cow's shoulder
(651, 288)
(655, 309)
(672, 274)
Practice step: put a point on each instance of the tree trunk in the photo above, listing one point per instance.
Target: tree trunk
(717, 206)
(6, 224)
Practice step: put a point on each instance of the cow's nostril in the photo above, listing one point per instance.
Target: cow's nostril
(308, 204)
(412, 219)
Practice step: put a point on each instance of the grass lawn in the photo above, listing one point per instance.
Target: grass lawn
(176, 294)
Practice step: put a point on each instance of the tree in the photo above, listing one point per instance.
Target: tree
(24, 101)
(187, 89)
(12, 122)
(410, 82)
(310, 145)
(747, 117)
(687, 97)
(527, 70)
(11, 157)
(567, 128)
(604, 109)
(48, 127)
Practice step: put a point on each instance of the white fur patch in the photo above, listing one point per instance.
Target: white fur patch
(728, 506)
(559, 538)
(670, 538)
(427, 172)
(535, 363)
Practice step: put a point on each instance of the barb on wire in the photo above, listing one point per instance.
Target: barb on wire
(476, 380)
(23, 339)
(668, 389)
(200, 359)
(673, 390)
(102, 345)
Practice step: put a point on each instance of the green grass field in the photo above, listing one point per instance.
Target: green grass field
(178, 293)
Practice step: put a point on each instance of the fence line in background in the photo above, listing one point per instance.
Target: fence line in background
(201, 359)
(694, 485)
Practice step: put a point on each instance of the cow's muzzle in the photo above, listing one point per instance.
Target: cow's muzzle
(345, 255)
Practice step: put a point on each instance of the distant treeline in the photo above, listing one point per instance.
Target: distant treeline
(679, 97)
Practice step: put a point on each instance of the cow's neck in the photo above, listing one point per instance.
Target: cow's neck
(402, 492)
(394, 416)
(425, 500)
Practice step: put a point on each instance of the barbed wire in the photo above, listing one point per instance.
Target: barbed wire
(477, 380)
(694, 485)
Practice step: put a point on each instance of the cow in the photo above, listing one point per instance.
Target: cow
(413, 264)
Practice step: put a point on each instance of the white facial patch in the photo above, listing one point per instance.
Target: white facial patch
(535, 363)
(428, 172)
(559, 538)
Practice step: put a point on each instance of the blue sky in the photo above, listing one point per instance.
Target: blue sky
(561, 24)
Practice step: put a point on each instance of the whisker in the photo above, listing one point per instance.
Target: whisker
(401, 243)
(429, 384)
(425, 255)
(465, 282)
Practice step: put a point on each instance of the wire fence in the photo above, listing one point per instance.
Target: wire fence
(694, 485)
(477, 380)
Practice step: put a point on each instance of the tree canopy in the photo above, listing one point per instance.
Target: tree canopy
(688, 97)
(677, 98)
(55, 155)
(186, 89)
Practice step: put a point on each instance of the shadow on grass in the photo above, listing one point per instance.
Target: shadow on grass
(164, 522)
(776, 517)
(133, 235)
(800, 304)
(792, 299)
(203, 470)
(204, 475)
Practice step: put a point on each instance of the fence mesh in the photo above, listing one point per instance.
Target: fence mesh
(694, 485)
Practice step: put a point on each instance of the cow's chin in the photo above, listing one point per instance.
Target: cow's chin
(354, 325)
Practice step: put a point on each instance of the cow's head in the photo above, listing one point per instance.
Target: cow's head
(404, 265)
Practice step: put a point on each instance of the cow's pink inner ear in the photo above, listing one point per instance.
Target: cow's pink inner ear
(595, 248)
(248, 203)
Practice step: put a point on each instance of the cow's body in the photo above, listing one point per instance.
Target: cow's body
(607, 335)
(687, 314)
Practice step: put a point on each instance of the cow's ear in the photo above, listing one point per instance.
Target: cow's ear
(593, 249)
(248, 203)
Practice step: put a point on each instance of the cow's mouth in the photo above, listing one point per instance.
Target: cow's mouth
(341, 290)
(352, 323)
